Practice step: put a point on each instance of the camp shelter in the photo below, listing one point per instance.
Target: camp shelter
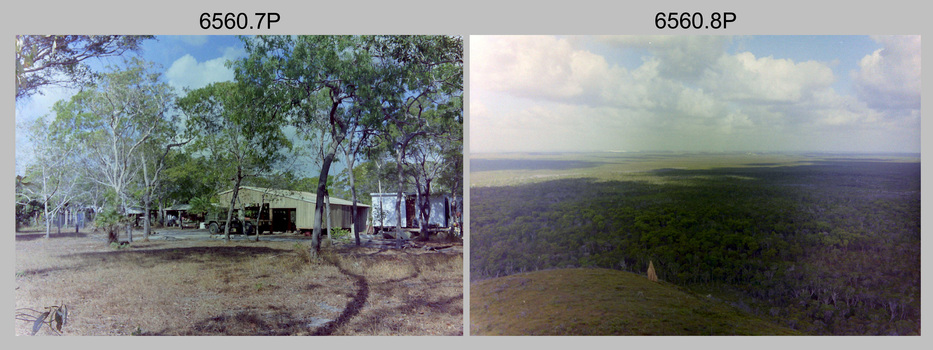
(177, 214)
(384, 214)
(178, 210)
(287, 210)
(439, 211)
(135, 214)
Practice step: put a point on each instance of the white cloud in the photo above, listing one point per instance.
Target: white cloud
(478, 108)
(194, 40)
(682, 57)
(734, 120)
(187, 72)
(745, 77)
(694, 102)
(534, 66)
(889, 78)
(685, 93)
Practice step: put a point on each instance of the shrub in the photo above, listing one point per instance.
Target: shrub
(110, 221)
(304, 255)
(340, 233)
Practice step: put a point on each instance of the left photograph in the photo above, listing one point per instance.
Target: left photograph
(239, 185)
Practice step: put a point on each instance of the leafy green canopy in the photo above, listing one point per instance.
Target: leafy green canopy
(60, 59)
(337, 85)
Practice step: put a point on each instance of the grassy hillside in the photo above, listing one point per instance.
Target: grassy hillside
(820, 246)
(601, 302)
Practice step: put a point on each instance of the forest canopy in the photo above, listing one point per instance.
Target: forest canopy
(827, 248)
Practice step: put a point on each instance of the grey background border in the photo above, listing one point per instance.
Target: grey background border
(477, 17)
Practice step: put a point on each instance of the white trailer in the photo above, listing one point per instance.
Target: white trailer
(384, 214)
(439, 216)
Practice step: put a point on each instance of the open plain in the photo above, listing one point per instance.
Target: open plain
(208, 287)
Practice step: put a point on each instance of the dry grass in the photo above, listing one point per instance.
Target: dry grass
(622, 166)
(601, 302)
(238, 288)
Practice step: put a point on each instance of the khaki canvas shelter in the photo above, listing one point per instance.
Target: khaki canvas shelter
(288, 210)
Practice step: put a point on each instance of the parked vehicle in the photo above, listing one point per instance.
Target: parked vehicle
(216, 222)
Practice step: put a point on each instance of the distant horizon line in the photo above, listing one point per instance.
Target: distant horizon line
(912, 154)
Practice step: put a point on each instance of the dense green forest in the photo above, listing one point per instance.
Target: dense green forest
(831, 247)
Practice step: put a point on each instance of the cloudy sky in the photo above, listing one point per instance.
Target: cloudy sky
(186, 62)
(191, 61)
(694, 93)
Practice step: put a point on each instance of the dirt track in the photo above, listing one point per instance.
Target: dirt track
(193, 286)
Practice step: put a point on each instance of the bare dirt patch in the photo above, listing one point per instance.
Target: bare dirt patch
(191, 287)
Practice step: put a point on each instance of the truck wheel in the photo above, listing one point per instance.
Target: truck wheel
(248, 229)
(213, 228)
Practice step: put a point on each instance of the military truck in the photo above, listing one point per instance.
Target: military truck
(216, 222)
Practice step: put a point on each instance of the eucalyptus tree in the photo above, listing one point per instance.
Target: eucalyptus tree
(113, 119)
(153, 159)
(43, 60)
(332, 83)
(432, 158)
(359, 137)
(188, 176)
(451, 178)
(426, 90)
(27, 203)
(316, 81)
(222, 120)
(55, 172)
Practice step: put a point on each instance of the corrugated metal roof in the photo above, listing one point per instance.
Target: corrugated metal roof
(134, 211)
(296, 195)
(185, 207)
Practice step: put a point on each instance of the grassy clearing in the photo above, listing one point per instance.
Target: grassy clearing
(601, 302)
(238, 288)
(608, 166)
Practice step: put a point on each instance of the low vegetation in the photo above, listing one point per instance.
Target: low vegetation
(238, 288)
(602, 302)
(823, 246)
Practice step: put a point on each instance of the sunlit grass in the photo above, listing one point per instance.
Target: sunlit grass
(240, 288)
(637, 166)
(601, 302)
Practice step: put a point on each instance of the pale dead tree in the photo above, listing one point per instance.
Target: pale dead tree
(54, 168)
(152, 166)
(114, 119)
(357, 139)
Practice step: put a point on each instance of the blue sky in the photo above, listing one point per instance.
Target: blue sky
(190, 62)
(695, 93)
(186, 61)
(195, 60)
(642, 93)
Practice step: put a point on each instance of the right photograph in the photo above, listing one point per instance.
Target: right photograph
(694, 185)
